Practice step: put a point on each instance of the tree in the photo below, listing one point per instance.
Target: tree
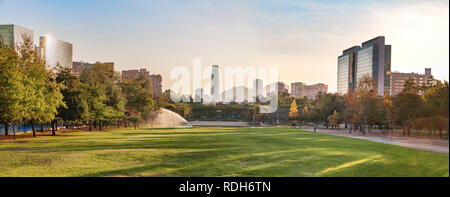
(305, 114)
(76, 109)
(293, 111)
(95, 93)
(384, 112)
(407, 106)
(139, 96)
(334, 119)
(325, 105)
(11, 86)
(183, 109)
(349, 110)
(366, 98)
(42, 96)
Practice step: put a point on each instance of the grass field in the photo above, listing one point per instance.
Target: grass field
(213, 151)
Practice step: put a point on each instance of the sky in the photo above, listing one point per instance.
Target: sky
(302, 38)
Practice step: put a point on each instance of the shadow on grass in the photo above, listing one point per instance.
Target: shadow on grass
(270, 163)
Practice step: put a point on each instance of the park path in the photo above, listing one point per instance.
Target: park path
(434, 145)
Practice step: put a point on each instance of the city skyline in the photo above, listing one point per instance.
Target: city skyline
(295, 36)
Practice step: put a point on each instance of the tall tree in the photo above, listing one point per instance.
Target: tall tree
(407, 106)
(11, 86)
(95, 92)
(139, 96)
(76, 109)
(366, 98)
(42, 96)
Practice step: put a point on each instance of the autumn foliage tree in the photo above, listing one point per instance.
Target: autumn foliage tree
(293, 111)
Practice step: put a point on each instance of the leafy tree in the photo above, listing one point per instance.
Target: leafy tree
(293, 111)
(305, 115)
(185, 109)
(407, 106)
(325, 105)
(139, 96)
(366, 98)
(334, 119)
(95, 93)
(76, 109)
(42, 96)
(384, 112)
(11, 87)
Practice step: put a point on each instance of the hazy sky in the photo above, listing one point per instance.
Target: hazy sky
(302, 38)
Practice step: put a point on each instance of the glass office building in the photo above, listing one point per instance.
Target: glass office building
(343, 74)
(13, 35)
(372, 59)
(365, 66)
(346, 70)
(55, 51)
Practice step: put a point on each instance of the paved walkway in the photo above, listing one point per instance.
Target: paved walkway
(434, 145)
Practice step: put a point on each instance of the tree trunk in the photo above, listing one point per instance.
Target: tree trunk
(90, 125)
(100, 125)
(54, 128)
(6, 128)
(42, 127)
(118, 123)
(32, 128)
(440, 133)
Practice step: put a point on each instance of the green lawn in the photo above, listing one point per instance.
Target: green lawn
(213, 151)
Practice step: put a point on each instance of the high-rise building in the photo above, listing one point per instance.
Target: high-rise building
(215, 84)
(55, 51)
(155, 79)
(13, 35)
(372, 59)
(300, 90)
(346, 70)
(257, 90)
(397, 80)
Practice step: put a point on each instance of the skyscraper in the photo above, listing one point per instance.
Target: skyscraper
(55, 51)
(372, 59)
(257, 90)
(13, 35)
(215, 84)
(346, 70)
